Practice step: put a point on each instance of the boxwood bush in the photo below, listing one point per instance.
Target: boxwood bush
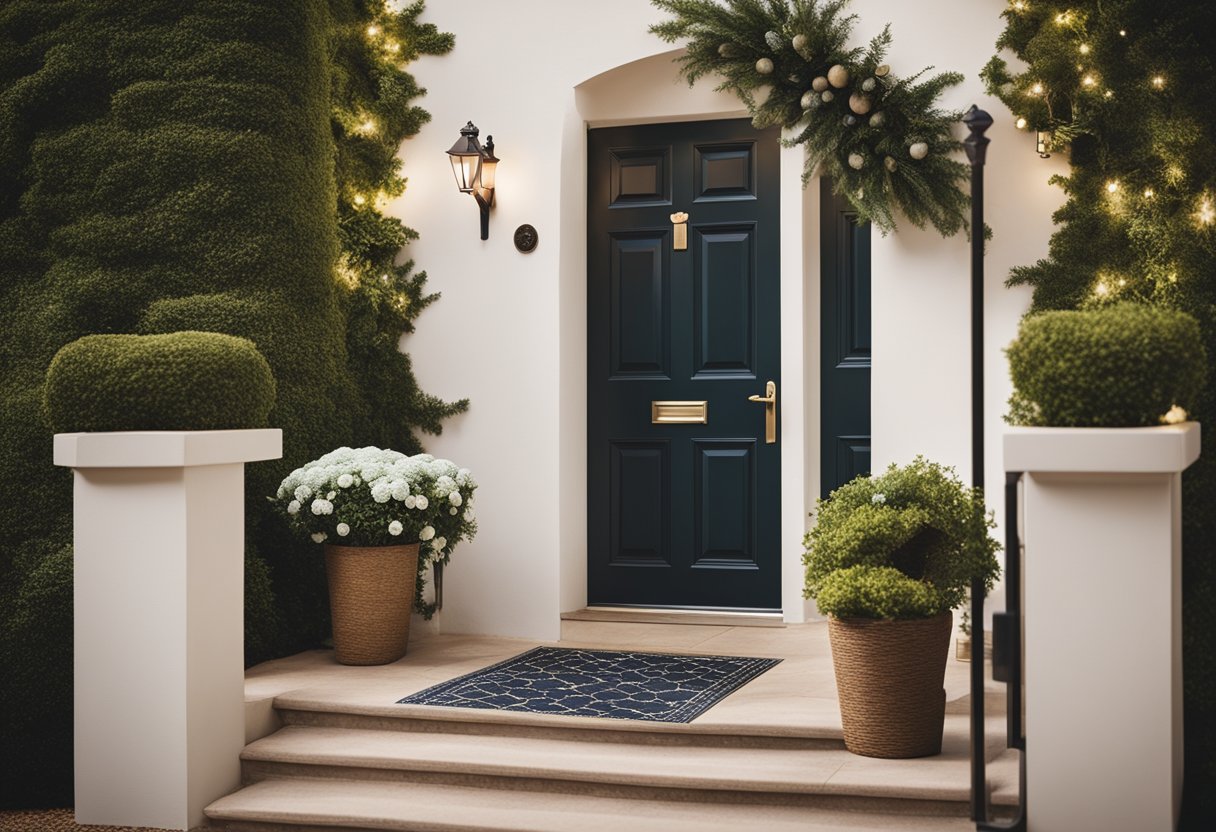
(903, 544)
(177, 381)
(1124, 365)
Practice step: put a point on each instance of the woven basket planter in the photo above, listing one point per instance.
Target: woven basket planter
(889, 675)
(371, 597)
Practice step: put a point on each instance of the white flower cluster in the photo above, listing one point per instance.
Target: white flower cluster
(370, 496)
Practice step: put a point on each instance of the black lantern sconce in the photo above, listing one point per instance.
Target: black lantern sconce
(474, 167)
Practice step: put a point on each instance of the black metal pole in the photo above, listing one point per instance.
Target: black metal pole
(976, 145)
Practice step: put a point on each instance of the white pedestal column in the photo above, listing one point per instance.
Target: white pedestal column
(1103, 605)
(159, 620)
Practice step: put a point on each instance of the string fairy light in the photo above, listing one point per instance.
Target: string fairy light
(1112, 186)
(373, 30)
(1158, 81)
(1020, 123)
(359, 199)
(1037, 89)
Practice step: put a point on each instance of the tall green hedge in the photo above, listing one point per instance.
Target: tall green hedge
(174, 165)
(1121, 84)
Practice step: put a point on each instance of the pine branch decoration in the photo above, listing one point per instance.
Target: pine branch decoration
(883, 141)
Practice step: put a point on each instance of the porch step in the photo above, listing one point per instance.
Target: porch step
(937, 785)
(303, 804)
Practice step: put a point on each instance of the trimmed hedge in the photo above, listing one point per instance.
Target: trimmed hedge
(1120, 366)
(179, 381)
(182, 165)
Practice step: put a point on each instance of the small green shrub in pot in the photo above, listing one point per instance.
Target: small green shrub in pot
(888, 559)
(174, 381)
(903, 544)
(1125, 365)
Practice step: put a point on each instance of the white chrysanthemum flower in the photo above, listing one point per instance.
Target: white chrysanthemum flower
(395, 528)
(343, 530)
(293, 507)
(439, 544)
(319, 537)
(878, 499)
(345, 481)
(421, 502)
(411, 501)
(320, 506)
(452, 511)
(455, 499)
(382, 492)
(401, 490)
(427, 533)
(303, 493)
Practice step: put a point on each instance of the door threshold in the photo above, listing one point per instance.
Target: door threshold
(662, 615)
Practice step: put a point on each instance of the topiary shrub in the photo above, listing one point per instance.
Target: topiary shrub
(178, 381)
(904, 544)
(1125, 365)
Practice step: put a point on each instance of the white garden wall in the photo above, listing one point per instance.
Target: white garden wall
(510, 330)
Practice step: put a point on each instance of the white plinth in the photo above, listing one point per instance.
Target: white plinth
(159, 620)
(1103, 605)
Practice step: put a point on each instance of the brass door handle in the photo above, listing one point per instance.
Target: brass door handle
(769, 400)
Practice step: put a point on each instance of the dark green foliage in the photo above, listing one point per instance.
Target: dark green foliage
(1151, 239)
(1121, 366)
(171, 165)
(178, 381)
(876, 592)
(906, 543)
(728, 40)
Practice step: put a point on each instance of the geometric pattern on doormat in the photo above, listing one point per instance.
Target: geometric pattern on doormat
(655, 687)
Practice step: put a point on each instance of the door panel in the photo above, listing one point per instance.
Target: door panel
(683, 513)
(845, 341)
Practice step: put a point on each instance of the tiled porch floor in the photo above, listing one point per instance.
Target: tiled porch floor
(797, 698)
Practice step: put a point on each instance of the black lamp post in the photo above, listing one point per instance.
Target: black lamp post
(475, 167)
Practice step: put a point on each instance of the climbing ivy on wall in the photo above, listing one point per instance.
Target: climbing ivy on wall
(1121, 87)
(196, 164)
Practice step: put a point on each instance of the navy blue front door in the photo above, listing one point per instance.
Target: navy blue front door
(684, 473)
(844, 248)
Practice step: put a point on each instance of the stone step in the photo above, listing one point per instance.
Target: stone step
(802, 776)
(296, 805)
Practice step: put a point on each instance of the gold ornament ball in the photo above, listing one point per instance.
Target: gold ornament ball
(860, 104)
(838, 77)
(808, 99)
(890, 163)
(878, 120)
(857, 161)
(918, 150)
(819, 84)
(764, 66)
(727, 50)
(869, 84)
(799, 42)
(826, 95)
(883, 71)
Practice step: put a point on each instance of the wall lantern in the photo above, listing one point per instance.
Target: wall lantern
(474, 167)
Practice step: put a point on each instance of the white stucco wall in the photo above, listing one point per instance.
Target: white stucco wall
(510, 330)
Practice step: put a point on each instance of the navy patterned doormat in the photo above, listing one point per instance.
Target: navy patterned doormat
(656, 687)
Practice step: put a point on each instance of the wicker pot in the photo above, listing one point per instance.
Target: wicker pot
(889, 675)
(371, 597)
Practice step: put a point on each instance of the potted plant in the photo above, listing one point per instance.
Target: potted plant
(887, 561)
(375, 510)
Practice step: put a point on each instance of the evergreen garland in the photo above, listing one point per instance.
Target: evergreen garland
(1123, 87)
(881, 139)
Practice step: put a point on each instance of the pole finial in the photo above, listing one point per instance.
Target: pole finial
(978, 121)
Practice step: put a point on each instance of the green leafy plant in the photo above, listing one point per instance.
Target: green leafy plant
(1138, 223)
(178, 381)
(1126, 365)
(881, 139)
(906, 543)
